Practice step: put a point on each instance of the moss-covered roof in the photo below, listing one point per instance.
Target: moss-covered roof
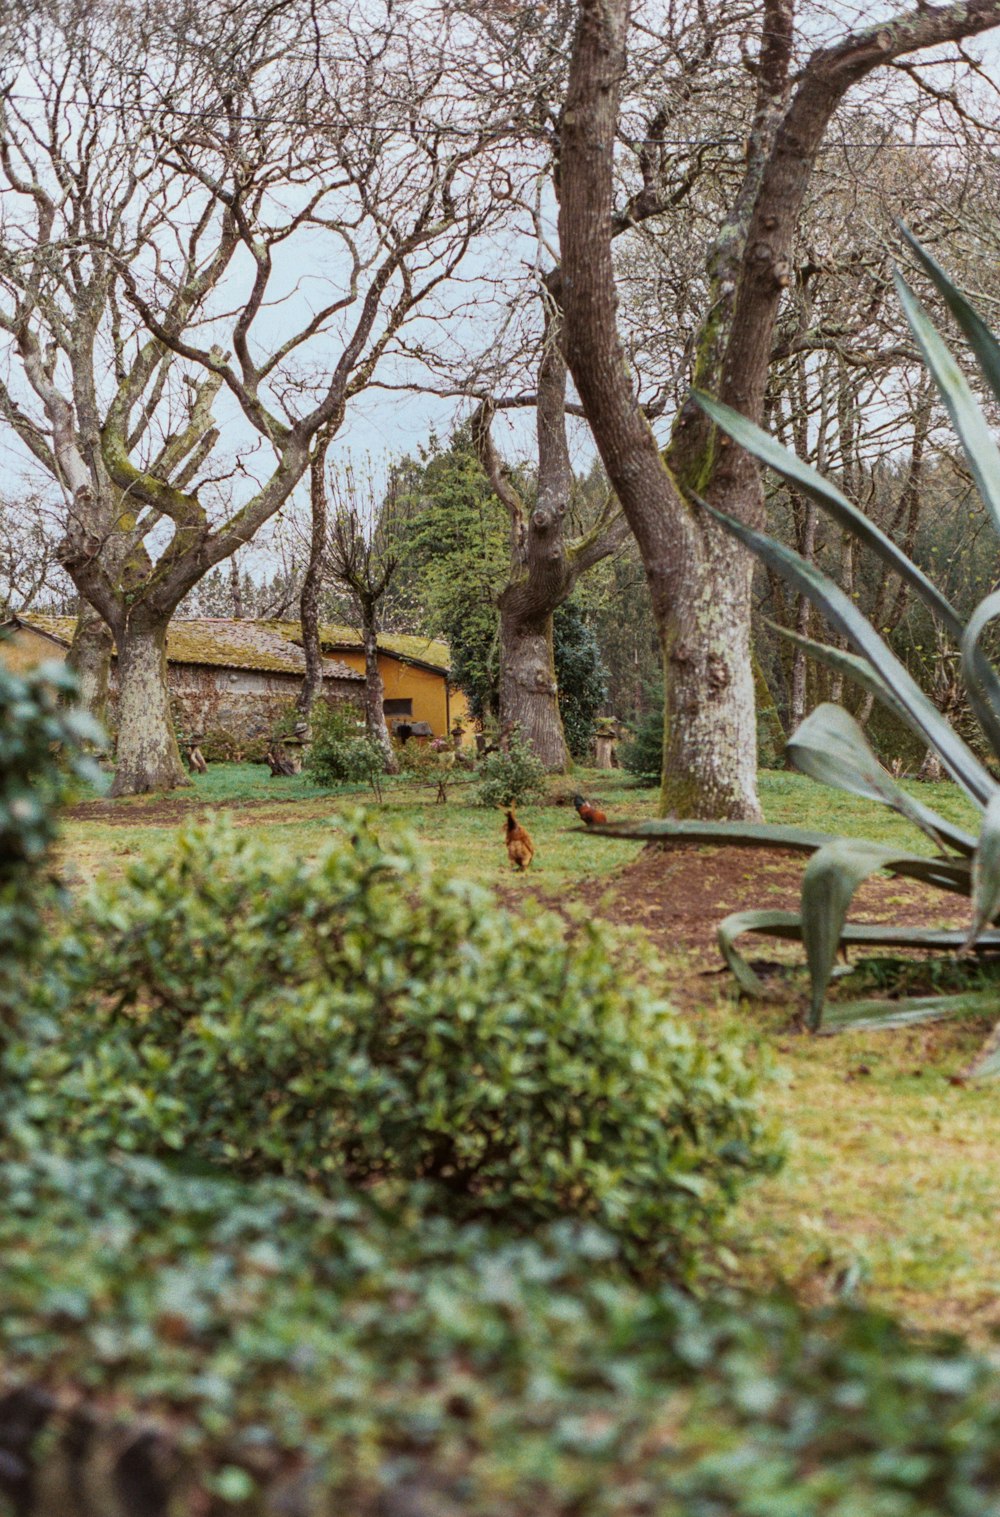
(220, 642)
(411, 650)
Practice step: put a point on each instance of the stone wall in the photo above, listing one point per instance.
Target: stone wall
(236, 709)
(231, 712)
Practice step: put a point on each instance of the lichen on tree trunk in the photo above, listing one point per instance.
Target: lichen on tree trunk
(529, 695)
(710, 735)
(147, 755)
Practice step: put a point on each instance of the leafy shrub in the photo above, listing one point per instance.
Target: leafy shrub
(220, 745)
(276, 720)
(425, 1367)
(418, 758)
(642, 757)
(360, 1017)
(342, 752)
(510, 778)
(42, 744)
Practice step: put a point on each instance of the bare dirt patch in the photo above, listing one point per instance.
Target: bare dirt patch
(166, 811)
(679, 892)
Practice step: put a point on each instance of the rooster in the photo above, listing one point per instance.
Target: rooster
(592, 815)
(520, 848)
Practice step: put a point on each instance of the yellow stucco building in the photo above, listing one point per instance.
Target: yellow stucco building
(415, 672)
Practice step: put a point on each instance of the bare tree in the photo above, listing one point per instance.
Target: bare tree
(700, 580)
(361, 555)
(160, 195)
(30, 575)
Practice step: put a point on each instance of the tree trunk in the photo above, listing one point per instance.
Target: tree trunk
(544, 568)
(748, 271)
(309, 599)
(529, 696)
(710, 734)
(803, 619)
(89, 658)
(375, 699)
(147, 753)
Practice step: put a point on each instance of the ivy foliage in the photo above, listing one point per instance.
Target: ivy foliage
(458, 559)
(580, 675)
(458, 555)
(360, 1018)
(412, 1364)
(42, 743)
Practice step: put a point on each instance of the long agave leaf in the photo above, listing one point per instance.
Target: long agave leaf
(985, 693)
(847, 664)
(862, 1016)
(787, 925)
(977, 671)
(981, 452)
(986, 1064)
(857, 669)
(782, 461)
(943, 873)
(980, 338)
(972, 654)
(986, 872)
(831, 747)
(844, 616)
(773, 924)
(829, 883)
(749, 834)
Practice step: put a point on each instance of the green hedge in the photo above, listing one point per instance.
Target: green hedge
(361, 1017)
(447, 1371)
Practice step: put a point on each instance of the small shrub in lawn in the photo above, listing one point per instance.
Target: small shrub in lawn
(342, 752)
(415, 1365)
(512, 777)
(421, 760)
(359, 1017)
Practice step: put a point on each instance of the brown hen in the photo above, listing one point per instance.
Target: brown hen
(520, 848)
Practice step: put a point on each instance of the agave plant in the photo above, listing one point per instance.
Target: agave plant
(831, 747)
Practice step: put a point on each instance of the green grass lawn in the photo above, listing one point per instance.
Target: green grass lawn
(888, 1187)
(465, 837)
(296, 813)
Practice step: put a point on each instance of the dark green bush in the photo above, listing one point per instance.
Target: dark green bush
(360, 1017)
(581, 677)
(342, 751)
(432, 1369)
(511, 777)
(642, 756)
(42, 743)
